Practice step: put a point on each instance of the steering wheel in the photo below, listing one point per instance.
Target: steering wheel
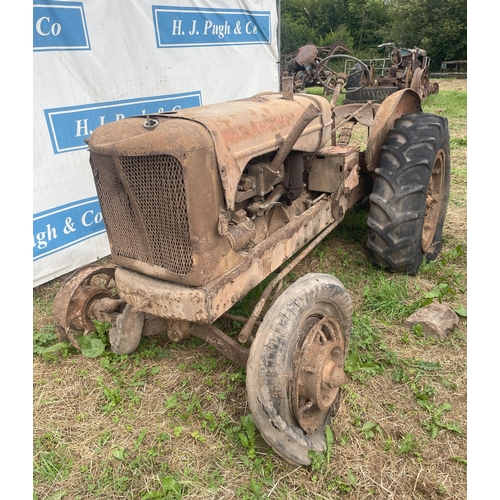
(327, 75)
(290, 57)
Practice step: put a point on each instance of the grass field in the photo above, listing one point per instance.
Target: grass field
(171, 421)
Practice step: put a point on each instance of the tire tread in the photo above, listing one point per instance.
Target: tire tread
(398, 199)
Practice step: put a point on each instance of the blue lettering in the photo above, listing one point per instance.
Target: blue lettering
(67, 225)
(69, 126)
(217, 26)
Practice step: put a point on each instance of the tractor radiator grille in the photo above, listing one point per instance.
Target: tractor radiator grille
(156, 184)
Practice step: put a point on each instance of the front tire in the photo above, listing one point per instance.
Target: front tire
(295, 367)
(410, 194)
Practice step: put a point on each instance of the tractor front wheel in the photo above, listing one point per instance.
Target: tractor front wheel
(88, 294)
(296, 366)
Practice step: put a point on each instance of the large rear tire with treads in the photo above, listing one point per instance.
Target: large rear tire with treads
(410, 195)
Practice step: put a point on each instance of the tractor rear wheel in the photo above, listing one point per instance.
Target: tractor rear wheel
(410, 193)
(375, 94)
(295, 367)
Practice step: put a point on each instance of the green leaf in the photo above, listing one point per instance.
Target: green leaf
(84, 341)
(408, 444)
(461, 311)
(426, 405)
(444, 407)
(170, 484)
(56, 347)
(153, 495)
(434, 430)
(119, 453)
(351, 477)
(369, 429)
(329, 442)
(244, 440)
(93, 348)
(140, 438)
(101, 328)
(425, 365)
(451, 426)
(255, 487)
(425, 302)
(171, 402)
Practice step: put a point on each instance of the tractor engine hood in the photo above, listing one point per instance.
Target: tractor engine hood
(239, 131)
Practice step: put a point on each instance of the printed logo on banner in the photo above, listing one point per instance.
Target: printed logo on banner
(69, 126)
(59, 26)
(191, 27)
(65, 226)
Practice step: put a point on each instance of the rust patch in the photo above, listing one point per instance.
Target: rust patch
(205, 304)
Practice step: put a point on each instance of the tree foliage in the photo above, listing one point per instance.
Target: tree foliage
(437, 26)
(441, 29)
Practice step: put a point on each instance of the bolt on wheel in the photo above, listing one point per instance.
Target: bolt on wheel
(295, 367)
(318, 373)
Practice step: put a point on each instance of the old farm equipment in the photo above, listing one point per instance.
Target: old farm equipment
(405, 68)
(203, 204)
(308, 67)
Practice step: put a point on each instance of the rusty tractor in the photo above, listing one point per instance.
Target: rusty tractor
(201, 205)
(406, 68)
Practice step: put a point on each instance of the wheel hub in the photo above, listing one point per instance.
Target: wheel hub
(78, 309)
(318, 373)
(89, 293)
(433, 202)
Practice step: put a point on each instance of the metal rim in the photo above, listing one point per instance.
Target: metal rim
(318, 372)
(433, 201)
(420, 82)
(78, 296)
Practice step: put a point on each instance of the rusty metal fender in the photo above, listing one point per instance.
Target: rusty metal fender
(362, 113)
(400, 103)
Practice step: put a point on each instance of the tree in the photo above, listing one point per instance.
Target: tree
(305, 21)
(367, 18)
(296, 27)
(437, 26)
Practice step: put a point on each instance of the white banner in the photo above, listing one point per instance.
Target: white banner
(98, 61)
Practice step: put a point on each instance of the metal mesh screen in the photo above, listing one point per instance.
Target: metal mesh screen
(119, 217)
(157, 184)
(157, 187)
